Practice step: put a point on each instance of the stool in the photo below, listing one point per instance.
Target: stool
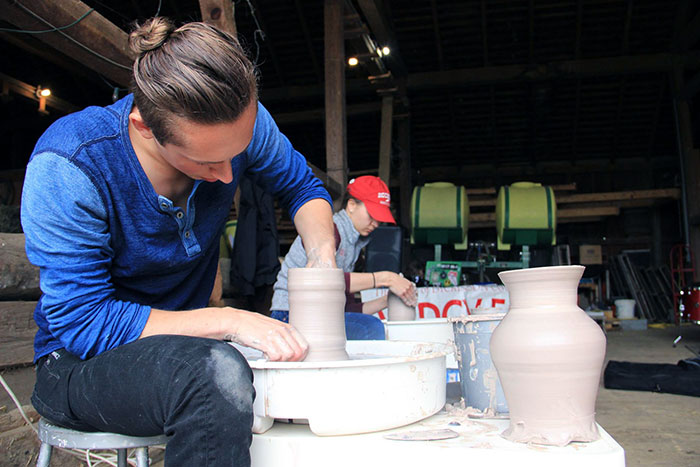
(52, 435)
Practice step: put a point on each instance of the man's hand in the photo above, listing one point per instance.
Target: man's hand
(279, 341)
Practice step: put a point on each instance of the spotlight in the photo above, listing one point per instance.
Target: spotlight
(46, 92)
(353, 61)
(386, 50)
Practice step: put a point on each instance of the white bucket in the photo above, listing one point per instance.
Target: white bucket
(624, 308)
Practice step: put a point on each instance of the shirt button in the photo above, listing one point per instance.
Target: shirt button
(187, 234)
(179, 214)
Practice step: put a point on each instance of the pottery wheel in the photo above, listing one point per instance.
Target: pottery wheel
(384, 385)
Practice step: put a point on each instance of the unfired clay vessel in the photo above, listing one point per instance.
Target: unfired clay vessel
(398, 310)
(317, 311)
(549, 355)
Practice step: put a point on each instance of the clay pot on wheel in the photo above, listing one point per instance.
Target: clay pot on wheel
(317, 311)
(549, 356)
(398, 310)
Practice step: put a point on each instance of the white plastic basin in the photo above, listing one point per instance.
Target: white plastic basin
(384, 385)
(424, 330)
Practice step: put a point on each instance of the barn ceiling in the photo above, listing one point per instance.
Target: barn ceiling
(494, 90)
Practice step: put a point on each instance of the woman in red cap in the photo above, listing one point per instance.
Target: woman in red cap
(365, 206)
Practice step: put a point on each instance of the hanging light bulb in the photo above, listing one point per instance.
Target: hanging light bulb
(386, 50)
(353, 61)
(42, 92)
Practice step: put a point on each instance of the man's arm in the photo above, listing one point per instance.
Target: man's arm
(277, 340)
(314, 222)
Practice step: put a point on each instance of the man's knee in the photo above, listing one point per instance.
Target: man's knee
(231, 376)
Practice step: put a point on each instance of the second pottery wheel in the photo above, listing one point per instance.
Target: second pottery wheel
(384, 385)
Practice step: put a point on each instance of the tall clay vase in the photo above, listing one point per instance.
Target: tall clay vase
(317, 311)
(549, 356)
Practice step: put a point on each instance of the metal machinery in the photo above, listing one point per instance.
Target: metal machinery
(525, 216)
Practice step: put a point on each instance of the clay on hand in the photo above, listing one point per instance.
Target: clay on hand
(279, 341)
(314, 260)
(404, 289)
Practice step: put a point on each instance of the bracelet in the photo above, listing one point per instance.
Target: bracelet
(374, 282)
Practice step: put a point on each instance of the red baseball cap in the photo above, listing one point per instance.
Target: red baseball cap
(374, 193)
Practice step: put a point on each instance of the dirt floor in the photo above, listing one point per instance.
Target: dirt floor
(654, 429)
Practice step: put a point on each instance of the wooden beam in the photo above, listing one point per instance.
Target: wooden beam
(663, 193)
(692, 32)
(403, 137)
(484, 36)
(484, 219)
(385, 139)
(690, 164)
(382, 31)
(503, 74)
(334, 52)
(319, 114)
(29, 91)
(616, 197)
(436, 31)
(525, 170)
(308, 41)
(333, 187)
(219, 13)
(631, 64)
(94, 41)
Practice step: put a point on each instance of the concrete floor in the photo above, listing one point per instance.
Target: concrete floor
(654, 429)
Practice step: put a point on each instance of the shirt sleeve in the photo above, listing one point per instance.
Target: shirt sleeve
(352, 304)
(67, 237)
(279, 167)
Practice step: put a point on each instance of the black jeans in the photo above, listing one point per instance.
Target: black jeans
(198, 391)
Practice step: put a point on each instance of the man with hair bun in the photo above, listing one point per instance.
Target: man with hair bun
(122, 210)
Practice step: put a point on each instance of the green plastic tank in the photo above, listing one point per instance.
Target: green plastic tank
(526, 214)
(439, 214)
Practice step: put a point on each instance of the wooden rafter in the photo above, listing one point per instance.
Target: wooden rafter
(618, 113)
(577, 112)
(382, 31)
(483, 33)
(436, 31)
(94, 41)
(631, 64)
(10, 84)
(692, 32)
(628, 23)
(219, 13)
(309, 43)
(579, 20)
(657, 112)
(531, 30)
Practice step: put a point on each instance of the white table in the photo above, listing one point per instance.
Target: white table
(479, 444)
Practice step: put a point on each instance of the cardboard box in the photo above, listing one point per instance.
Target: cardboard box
(590, 254)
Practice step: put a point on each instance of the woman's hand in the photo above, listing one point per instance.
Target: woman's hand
(403, 288)
(279, 341)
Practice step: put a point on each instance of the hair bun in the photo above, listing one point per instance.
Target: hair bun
(150, 35)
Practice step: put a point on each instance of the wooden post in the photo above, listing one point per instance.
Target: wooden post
(336, 143)
(690, 165)
(403, 135)
(385, 139)
(219, 13)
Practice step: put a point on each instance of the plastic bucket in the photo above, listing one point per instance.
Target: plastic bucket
(479, 381)
(625, 308)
